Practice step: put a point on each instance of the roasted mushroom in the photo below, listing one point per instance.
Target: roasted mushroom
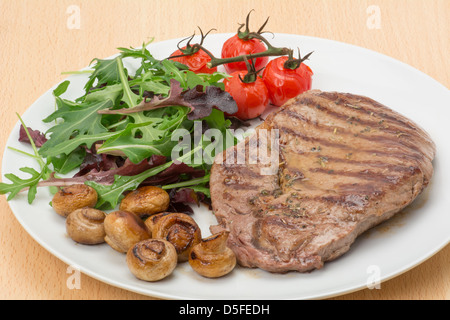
(85, 226)
(124, 229)
(74, 197)
(151, 221)
(212, 258)
(145, 201)
(179, 229)
(152, 259)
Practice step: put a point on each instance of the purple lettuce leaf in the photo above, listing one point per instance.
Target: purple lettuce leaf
(173, 174)
(38, 137)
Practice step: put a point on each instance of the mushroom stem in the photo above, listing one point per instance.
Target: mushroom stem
(215, 243)
(212, 258)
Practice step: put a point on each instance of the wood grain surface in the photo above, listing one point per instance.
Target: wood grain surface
(40, 38)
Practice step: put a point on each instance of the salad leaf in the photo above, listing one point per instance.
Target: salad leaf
(61, 88)
(105, 177)
(94, 162)
(112, 92)
(154, 87)
(19, 184)
(129, 97)
(37, 136)
(66, 147)
(174, 174)
(110, 195)
(64, 164)
(150, 134)
(105, 72)
(200, 101)
(78, 119)
(148, 62)
(119, 134)
(186, 195)
(136, 149)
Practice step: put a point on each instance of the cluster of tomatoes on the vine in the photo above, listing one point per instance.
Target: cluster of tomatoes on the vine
(255, 81)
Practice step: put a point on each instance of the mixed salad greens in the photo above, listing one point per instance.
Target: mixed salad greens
(161, 124)
(125, 131)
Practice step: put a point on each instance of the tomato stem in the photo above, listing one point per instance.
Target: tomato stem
(252, 73)
(191, 49)
(292, 63)
(272, 51)
(246, 34)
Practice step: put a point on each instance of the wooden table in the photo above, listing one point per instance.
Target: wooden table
(41, 38)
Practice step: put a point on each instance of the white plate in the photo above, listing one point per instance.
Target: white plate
(382, 253)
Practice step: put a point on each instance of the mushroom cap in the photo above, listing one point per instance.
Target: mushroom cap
(211, 258)
(179, 229)
(73, 197)
(124, 229)
(85, 226)
(152, 259)
(145, 201)
(151, 220)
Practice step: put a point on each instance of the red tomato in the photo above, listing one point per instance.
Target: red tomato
(251, 98)
(284, 84)
(235, 46)
(196, 61)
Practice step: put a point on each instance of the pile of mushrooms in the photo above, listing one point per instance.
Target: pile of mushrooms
(153, 240)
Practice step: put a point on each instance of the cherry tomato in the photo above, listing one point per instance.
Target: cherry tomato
(251, 98)
(235, 46)
(284, 84)
(196, 61)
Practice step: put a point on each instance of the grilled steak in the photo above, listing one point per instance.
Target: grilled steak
(345, 164)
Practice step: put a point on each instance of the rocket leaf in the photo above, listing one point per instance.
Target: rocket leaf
(105, 72)
(19, 184)
(79, 119)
